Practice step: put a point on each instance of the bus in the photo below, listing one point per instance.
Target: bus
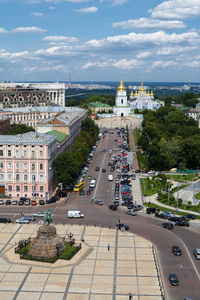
(78, 186)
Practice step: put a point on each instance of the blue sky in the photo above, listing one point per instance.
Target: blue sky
(100, 40)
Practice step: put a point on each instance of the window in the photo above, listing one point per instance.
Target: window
(1, 177)
(9, 165)
(41, 177)
(25, 153)
(25, 177)
(17, 177)
(33, 153)
(33, 189)
(41, 166)
(17, 188)
(1, 152)
(1, 165)
(41, 153)
(9, 176)
(10, 188)
(25, 166)
(41, 189)
(121, 101)
(33, 166)
(17, 165)
(33, 177)
(25, 188)
(16, 152)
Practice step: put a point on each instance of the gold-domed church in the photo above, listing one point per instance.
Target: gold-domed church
(141, 99)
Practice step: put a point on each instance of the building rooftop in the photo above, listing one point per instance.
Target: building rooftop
(98, 104)
(40, 109)
(29, 138)
(61, 137)
(63, 119)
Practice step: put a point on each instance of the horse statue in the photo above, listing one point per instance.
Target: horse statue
(47, 217)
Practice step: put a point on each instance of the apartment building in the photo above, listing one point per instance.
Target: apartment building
(4, 124)
(26, 164)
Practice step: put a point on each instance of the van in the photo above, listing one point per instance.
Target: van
(75, 214)
(196, 253)
(110, 177)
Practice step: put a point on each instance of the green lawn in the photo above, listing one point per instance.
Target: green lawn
(63, 255)
(183, 177)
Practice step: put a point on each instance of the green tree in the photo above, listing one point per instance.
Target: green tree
(19, 129)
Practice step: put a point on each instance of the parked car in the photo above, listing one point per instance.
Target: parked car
(99, 202)
(29, 218)
(176, 250)
(175, 219)
(88, 192)
(62, 193)
(160, 215)
(27, 202)
(113, 207)
(168, 225)
(22, 221)
(8, 202)
(15, 202)
(97, 168)
(173, 279)
(190, 217)
(103, 170)
(169, 214)
(131, 212)
(23, 198)
(33, 202)
(116, 202)
(182, 223)
(1, 202)
(82, 192)
(122, 225)
(196, 253)
(138, 207)
(38, 214)
(21, 202)
(41, 202)
(89, 177)
(5, 220)
(152, 210)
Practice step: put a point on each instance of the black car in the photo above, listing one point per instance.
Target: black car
(82, 192)
(127, 197)
(109, 164)
(182, 223)
(8, 202)
(23, 198)
(176, 250)
(51, 200)
(41, 202)
(130, 206)
(61, 194)
(113, 207)
(5, 220)
(175, 219)
(21, 202)
(152, 210)
(190, 217)
(103, 170)
(122, 225)
(116, 202)
(161, 215)
(97, 168)
(173, 279)
(168, 225)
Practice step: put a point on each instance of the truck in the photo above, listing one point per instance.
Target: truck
(75, 214)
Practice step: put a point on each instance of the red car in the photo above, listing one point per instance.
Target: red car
(88, 192)
(126, 192)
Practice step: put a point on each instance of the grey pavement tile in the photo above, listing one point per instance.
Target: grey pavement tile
(52, 296)
(7, 295)
(28, 295)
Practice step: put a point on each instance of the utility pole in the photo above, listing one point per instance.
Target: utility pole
(177, 198)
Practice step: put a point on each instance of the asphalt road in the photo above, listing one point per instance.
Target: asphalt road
(186, 266)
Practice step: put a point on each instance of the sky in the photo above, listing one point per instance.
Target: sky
(100, 40)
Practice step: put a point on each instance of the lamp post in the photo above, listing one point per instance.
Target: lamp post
(177, 198)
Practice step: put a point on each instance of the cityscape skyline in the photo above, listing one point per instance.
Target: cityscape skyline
(100, 40)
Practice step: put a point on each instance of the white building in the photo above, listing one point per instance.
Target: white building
(121, 107)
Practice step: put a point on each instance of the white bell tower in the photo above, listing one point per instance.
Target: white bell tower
(121, 105)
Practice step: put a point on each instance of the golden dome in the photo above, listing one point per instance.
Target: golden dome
(142, 88)
(131, 94)
(148, 93)
(136, 93)
(121, 87)
(151, 93)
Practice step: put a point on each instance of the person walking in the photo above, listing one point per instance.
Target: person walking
(130, 296)
(108, 247)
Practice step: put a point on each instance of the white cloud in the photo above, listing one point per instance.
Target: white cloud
(143, 54)
(176, 9)
(116, 2)
(27, 30)
(51, 7)
(35, 14)
(34, 1)
(163, 64)
(149, 24)
(87, 10)
(122, 64)
(175, 50)
(60, 39)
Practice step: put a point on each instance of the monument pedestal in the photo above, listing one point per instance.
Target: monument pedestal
(47, 244)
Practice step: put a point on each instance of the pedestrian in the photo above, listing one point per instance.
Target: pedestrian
(130, 296)
(108, 247)
(92, 199)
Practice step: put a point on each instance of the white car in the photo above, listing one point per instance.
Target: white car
(22, 221)
(38, 214)
(1, 202)
(99, 202)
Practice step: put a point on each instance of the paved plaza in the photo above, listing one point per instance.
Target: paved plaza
(94, 273)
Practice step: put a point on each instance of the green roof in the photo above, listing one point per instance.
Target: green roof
(98, 104)
(61, 137)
